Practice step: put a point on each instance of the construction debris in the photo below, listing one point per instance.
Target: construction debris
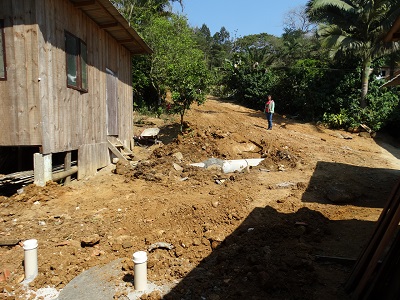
(160, 245)
(149, 135)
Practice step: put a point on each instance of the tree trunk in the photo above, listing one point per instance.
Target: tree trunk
(365, 80)
(182, 113)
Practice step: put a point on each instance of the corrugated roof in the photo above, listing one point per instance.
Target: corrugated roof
(109, 18)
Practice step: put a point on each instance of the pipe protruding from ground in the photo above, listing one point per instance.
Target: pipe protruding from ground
(140, 270)
(30, 259)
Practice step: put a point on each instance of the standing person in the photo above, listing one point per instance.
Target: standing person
(269, 110)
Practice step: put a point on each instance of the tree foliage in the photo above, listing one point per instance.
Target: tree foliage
(315, 75)
(356, 27)
(177, 65)
(139, 12)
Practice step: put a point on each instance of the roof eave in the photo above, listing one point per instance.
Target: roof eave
(103, 13)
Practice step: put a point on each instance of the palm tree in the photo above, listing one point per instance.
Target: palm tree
(356, 27)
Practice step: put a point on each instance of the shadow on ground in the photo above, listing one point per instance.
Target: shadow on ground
(388, 143)
(277, 256)
(347, 184)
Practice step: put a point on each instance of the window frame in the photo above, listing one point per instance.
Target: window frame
(3, 46)
(80, 63)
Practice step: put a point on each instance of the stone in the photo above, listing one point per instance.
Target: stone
(178, 156)
(177, 167)
(90, 241)
(196, 242)
(215, 204)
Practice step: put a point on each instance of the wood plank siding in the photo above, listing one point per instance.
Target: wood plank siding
(19, 100)
(37, 108)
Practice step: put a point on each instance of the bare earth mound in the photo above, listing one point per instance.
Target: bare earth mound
(268, 232)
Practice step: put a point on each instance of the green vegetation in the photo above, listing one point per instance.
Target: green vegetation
(323, 68)
(356, 28)
(179, 66)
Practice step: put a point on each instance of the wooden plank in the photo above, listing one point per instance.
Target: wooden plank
(10, 123)
(385, 284)
(102, 63)
(5, 103)
(92, 157)
(116, 152)
(385, 241)
(112, 103)
(56, 105)
(45, 89)
(62, 110)
(35, 134)
(109, 25)
(64, 174)
(369, 258)
(32, 114)
(21, 64)
(85, 3)
(67, 166)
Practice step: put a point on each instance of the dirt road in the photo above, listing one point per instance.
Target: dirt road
(255, 234)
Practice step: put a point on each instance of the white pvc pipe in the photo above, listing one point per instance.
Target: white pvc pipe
(229, 166)
(30, 259)
(140, 270)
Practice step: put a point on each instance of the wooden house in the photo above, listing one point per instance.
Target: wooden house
(393, 35)
(65, 84)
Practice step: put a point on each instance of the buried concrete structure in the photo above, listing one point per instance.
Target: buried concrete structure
(107, 282)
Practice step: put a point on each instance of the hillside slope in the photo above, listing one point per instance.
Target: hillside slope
(255, 234)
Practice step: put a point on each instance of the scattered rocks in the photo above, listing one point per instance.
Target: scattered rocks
(285, 185)
(122, 242)
(90, 241)
(178, 156)
(4, 275)
(177, 167)
(215, 204)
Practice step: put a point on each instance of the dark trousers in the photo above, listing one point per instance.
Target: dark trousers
(269, 118)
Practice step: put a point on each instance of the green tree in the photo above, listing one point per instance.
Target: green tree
(177, 65)
(204, 41)
(356, 27)
(138, 12)
(296, 44)
(260, 49)
(221, 47)
(249, 82)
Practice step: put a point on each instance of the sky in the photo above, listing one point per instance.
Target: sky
(239, 17)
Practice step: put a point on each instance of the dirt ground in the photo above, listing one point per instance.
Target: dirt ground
(267, 232)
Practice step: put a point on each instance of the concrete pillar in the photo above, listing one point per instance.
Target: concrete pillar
(42, 167)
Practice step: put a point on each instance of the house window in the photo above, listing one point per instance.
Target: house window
(3, 72)
(76, 52)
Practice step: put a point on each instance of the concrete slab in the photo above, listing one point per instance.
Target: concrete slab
(94, 284)
(104, 282)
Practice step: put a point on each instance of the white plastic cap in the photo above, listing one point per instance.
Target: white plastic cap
(30, 244)
(140, 257)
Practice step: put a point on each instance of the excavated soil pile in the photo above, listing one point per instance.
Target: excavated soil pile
(266, 232)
